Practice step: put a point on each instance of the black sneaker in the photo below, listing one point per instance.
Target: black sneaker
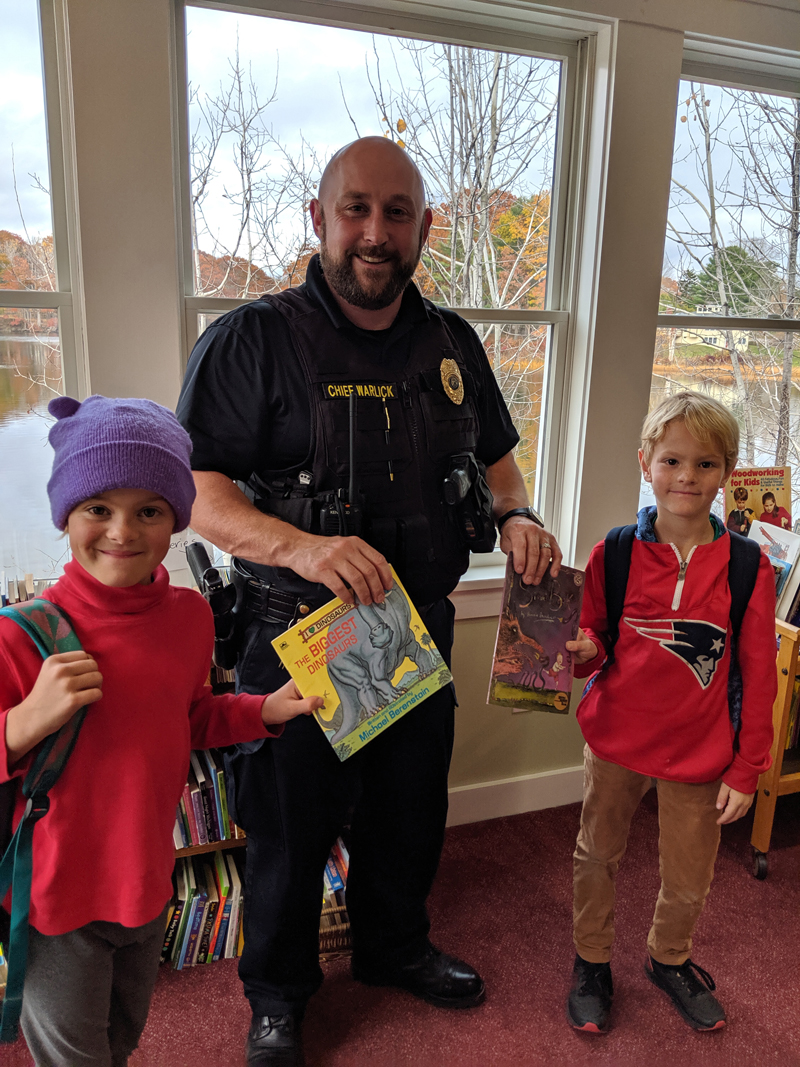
(589, 1003)
(689, 988)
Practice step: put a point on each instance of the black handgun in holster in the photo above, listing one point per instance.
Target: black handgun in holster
(221, 599)
(470, 502)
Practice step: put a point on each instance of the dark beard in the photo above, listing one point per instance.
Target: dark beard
(341, 277)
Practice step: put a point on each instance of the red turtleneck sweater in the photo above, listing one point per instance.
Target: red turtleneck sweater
(105, 848)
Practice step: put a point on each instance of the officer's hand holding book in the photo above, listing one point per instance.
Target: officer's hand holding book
(534, 548)
(348, 566)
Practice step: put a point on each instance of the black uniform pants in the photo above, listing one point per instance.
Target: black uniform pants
(292, 797)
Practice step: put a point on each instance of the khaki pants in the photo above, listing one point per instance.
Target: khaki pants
(687, 846)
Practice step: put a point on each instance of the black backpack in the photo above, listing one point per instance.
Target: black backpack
(742, 573)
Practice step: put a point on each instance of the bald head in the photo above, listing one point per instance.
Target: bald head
(372, 222)
(369, 155)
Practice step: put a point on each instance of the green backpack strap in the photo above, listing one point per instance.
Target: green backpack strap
(51, 632)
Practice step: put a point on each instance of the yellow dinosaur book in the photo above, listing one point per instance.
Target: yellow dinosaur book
(370, 664)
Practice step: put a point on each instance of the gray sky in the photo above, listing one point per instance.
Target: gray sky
(22, 126)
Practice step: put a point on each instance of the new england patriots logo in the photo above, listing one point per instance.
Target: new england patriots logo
(701, 645)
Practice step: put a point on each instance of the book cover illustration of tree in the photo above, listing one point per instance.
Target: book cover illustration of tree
(370, 663)
(532, 668)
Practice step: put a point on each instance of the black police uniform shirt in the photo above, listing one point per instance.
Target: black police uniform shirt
(245, 403)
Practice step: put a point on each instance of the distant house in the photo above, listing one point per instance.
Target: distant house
(712, 335)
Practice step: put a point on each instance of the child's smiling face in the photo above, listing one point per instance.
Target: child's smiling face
(686, 474)
(121, 536)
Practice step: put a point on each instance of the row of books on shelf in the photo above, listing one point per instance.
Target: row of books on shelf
(203, 816)
(334, 922)
(16, 590)
(204, 922)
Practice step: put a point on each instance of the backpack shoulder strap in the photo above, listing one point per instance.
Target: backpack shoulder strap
(616, 566)
(51, 631)
(742, 574)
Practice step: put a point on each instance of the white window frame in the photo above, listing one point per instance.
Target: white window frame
(563, 47)
(760, 70)
(63, 202)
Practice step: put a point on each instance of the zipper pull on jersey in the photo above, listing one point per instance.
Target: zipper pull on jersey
(683, 564)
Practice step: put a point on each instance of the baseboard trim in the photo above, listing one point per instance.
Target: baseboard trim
(513, 796)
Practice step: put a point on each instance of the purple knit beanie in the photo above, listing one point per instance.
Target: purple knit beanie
(104, 444)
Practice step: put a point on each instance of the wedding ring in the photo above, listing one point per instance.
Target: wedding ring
(544, 544)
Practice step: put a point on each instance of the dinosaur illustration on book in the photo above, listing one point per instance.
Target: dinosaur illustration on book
(362, 675)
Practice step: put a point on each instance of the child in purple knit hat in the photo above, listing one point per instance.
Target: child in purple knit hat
(104, 853)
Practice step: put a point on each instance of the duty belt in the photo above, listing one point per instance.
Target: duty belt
(260, 599)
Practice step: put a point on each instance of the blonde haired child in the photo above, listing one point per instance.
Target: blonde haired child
(659, 708)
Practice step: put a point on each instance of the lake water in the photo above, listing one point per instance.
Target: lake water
(29, 378)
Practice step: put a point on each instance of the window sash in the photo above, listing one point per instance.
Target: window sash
(508, 33)
(57, 121)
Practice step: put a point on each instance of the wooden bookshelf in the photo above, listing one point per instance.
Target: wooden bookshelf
(334, 925)
(783, 777)
(212, 846)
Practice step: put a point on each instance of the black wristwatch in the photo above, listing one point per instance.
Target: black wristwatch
(528, 512)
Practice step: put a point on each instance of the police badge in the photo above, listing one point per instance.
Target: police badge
(451, 380)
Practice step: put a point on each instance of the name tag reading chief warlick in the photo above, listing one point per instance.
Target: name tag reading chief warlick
(370, 390)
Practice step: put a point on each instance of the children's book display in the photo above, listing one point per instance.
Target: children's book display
(781, 546)
(758, 493)
(204, 921)
(758, 504)
(16, 590)
(532, 668)
(370, 664)
(203, 815)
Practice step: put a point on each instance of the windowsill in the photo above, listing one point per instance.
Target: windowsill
(479, 593)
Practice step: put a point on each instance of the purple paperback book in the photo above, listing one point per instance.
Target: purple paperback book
(532, 668)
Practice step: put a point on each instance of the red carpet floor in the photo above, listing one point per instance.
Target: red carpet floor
(503, 901)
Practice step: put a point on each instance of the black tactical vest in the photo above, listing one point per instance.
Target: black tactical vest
(406, 429)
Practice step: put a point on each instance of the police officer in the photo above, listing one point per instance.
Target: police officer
(269, 396)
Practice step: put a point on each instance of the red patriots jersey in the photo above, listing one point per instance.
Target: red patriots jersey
(661, 708)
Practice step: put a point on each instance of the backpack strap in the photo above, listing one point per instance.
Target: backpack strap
(51, 631)
(742, 573)
(616, 565)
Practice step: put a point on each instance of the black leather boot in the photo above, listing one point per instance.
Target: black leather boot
(274, 1041)
(436, 977)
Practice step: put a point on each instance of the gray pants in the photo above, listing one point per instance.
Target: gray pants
(87, 993)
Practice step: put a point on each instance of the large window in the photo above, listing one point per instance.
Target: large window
(730, 301)
(269, 101)
(35, 305)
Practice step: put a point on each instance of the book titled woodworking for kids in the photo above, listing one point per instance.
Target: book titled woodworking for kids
(369, 664)
(532, 669)
(758, 493)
